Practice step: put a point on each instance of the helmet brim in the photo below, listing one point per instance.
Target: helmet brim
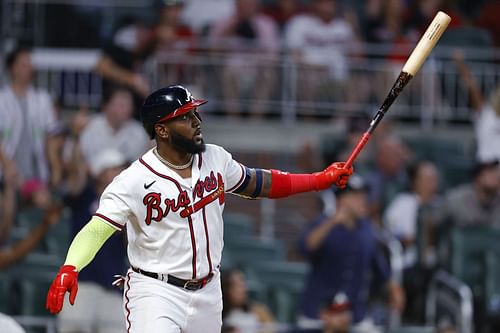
(184, 109)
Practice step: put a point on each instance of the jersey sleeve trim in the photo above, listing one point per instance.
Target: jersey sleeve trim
(242, 178)
(109, 221)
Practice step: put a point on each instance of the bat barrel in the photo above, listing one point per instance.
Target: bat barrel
(425, 45)
(411, 67)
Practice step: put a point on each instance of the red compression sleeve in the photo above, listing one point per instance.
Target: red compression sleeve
(284, 184)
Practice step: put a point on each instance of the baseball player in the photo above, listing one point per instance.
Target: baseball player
(171, 201)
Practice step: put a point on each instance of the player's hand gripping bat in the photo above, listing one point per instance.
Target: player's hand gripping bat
(411, 67)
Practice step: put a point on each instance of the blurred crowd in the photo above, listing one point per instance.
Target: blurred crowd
(52, 162)
(247, 41)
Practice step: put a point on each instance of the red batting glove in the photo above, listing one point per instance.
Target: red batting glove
(66, 280)
(334, 174)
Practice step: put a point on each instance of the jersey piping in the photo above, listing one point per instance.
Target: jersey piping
(109, 221)
(190, 221)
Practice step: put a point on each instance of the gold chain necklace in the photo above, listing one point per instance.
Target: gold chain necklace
(173, 166)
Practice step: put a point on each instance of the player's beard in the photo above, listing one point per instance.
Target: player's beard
(186, 145)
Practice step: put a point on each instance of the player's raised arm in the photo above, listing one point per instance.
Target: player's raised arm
(260, 183)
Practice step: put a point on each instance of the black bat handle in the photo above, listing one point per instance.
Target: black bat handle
(400, 83)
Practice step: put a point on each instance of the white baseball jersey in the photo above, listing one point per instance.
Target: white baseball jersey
(174, 225)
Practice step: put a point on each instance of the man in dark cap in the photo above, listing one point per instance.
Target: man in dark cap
(345, 258)
(478, 202)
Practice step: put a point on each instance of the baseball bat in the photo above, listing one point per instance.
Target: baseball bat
(410, 68)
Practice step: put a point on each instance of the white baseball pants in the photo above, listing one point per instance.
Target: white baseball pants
(156, 306)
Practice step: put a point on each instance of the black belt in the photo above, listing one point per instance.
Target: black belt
(193, 284)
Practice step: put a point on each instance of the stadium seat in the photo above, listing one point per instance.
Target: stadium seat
(282, 273)
(32, 277)
(58, 238)
(492, 284)
(249, 250)
(473, 253)
(237, 225)
(283, 282)
(469, 251)
(33, 295)
(5, 288)
(453, 159)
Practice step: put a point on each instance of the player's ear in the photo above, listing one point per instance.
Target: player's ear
(161, 131)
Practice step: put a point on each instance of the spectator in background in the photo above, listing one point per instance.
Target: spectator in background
(174, 40)
(320, 42)
(87, 315)
(345, 258)
(382, 21)
(487, 126)
(9, 325)
(476, 203)
(238, 310)
(122, 58)
(171, 33)
(201, 15)
(404, 213)
(389, 176)
(114, 128)
(9, 187)
(27, 119)
(37, 202)
(412, 218)
(419, 13)
(488, 19)
(336, 317)
(170, 15)
(56, 148)
(11, 253)
(251, 41)
(282, 11)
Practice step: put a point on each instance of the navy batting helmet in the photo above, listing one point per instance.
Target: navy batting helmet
(166, 103)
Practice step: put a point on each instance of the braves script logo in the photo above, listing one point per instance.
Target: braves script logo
(207, 185)
(156, 209)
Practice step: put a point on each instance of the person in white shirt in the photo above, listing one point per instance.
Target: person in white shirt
(319, 41)
(487, 125)
(27, 119)
(487, 129)
(114, 129)
(404, 213)
(413, 217)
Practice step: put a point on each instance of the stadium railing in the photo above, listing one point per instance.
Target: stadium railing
(450, 299)
(435, 95)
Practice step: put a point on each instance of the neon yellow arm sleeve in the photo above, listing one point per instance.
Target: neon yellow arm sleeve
(87, 242)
